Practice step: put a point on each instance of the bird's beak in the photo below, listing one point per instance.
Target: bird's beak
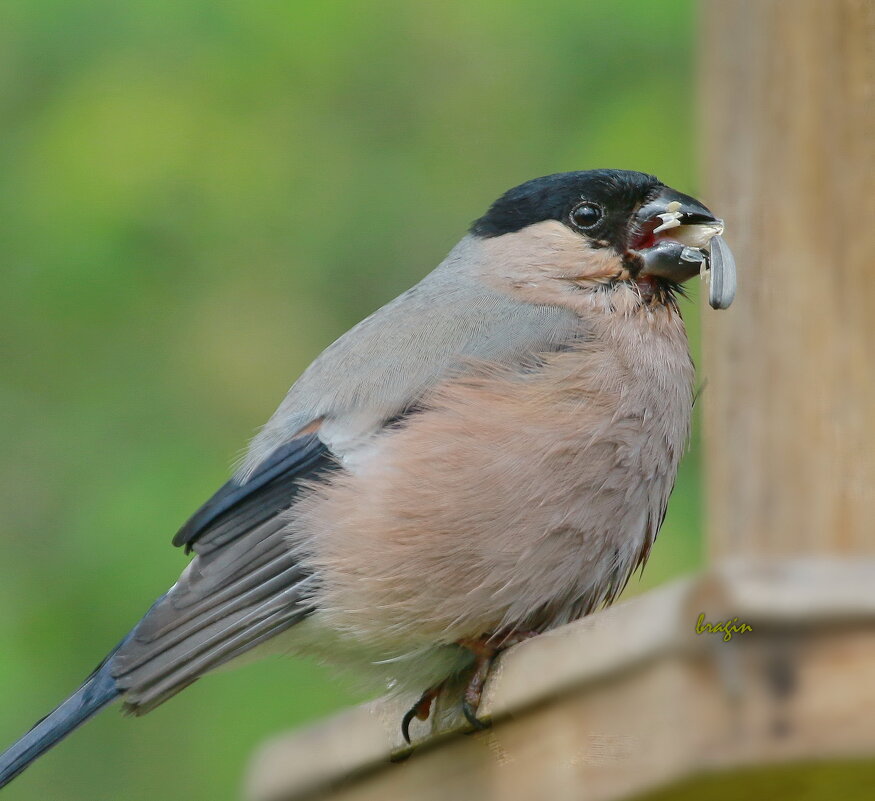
(675, 237)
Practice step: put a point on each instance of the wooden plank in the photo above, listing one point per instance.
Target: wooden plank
(789, 132)
(626, 699)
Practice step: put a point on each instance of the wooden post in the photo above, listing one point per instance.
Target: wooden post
(789, 130)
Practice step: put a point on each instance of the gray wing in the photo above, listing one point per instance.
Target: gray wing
(388, 361)
(243, 586)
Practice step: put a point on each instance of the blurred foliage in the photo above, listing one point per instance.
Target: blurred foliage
(197, 197)
(849, 780)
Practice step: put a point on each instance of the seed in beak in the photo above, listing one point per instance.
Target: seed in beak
(721, 274)
(671, 217)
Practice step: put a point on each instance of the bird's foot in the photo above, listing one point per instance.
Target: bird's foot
(420, 710)
(485, 649)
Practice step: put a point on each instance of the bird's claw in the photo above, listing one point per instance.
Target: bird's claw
(484, 651)
(470, 713)
(420, 710)
(405, 723)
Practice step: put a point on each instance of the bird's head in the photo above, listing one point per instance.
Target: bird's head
(599, 228)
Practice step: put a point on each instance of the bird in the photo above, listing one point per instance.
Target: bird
(486, 457)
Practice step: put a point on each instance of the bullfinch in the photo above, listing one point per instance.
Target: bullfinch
(484, 458)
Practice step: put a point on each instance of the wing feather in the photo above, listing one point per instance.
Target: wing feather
(242, 587)
(239, 505)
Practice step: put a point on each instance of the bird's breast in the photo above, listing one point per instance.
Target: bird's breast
(513, 499)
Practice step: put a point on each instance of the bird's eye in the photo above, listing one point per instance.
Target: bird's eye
(586, 215)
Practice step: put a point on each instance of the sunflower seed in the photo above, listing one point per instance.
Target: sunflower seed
(722, 274)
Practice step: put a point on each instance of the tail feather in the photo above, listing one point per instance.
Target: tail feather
(98, 691)
(154, 690)
(224, 604)
(171, 669)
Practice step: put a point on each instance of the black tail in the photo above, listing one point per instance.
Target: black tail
(98, 691)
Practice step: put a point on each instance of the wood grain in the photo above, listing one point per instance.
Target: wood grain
(788, 94)
(625, 700)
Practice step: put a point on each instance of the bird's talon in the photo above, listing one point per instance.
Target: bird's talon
(420, 710)
(405, 723)
(471, 716)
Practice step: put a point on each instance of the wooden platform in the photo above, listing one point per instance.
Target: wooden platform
(626, 700)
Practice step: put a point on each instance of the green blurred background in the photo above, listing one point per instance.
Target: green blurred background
(196, 198)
